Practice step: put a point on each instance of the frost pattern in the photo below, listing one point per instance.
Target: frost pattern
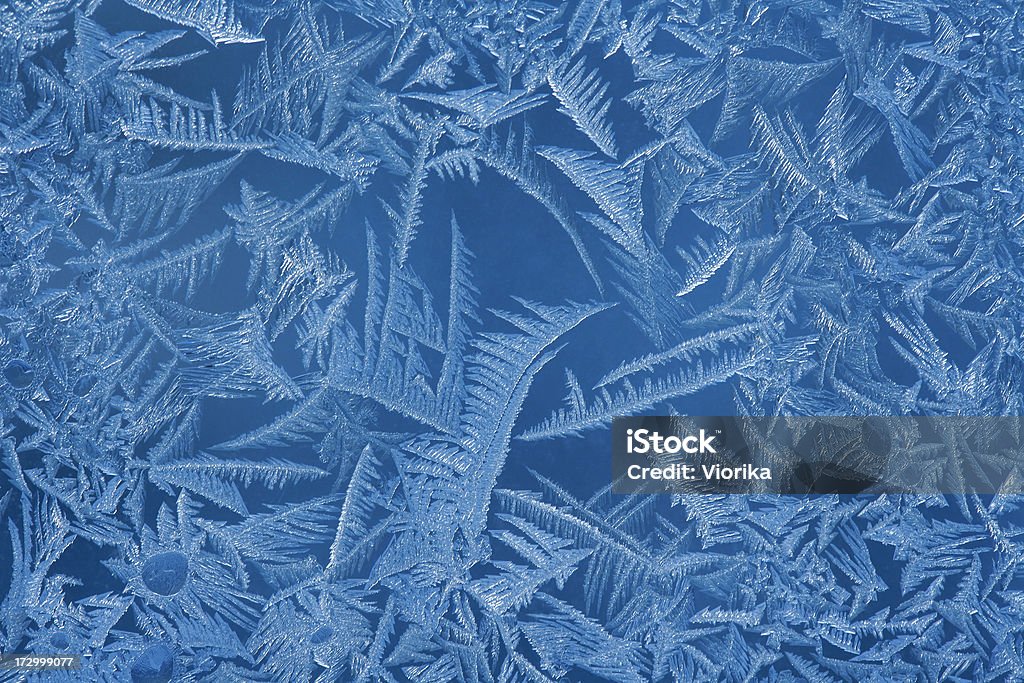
(286, 287)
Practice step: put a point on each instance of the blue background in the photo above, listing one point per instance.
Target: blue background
(833, 190)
